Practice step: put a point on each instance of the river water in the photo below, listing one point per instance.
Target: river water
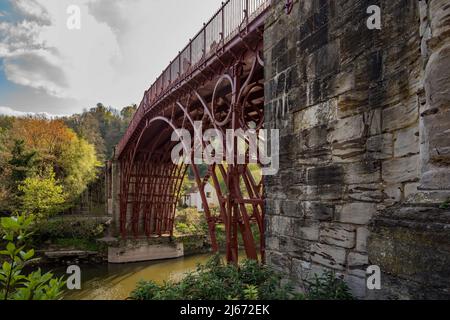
(116, 281)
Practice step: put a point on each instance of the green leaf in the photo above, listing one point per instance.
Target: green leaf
(27, 255)
(11, 248)
(6, 267)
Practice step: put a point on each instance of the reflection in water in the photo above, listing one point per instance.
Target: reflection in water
(116, 281)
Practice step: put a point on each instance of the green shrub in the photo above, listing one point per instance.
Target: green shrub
(68, 228)
(218, 281)
(329, 287)
(249, 281)
(190, 222)
(14, 284)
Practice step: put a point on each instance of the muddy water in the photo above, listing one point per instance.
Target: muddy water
(115, 282)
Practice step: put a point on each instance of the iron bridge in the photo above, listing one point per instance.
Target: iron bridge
(217, 79)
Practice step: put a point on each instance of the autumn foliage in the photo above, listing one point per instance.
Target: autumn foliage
(46, 165)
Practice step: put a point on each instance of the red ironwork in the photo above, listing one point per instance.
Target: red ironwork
(217, 80)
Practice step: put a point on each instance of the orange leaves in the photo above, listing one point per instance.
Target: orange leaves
(43, 135)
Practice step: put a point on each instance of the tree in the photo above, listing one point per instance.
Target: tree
(80, 166)
(101, 126)
(58, 149)
(87, 127)
(42, 196)
(21, 163)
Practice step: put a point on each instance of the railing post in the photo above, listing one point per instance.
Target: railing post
(204, 39)
(223, 22)
(190, 52)
(179, 64)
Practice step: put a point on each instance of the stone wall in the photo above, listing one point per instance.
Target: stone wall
(364, 120)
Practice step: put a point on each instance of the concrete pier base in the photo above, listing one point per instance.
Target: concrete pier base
(138, 250)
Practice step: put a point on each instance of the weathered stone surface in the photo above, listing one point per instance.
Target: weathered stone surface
(362, 234)
(340, 235)
(380, 147)
(356, 213)
(364, 172)
(307, 231)
(357, 285)
(400, 116)
(393, 193)
(365, 193)
(437, 77)
(356, 259)
(325, 175)
(319, 211)
(413, 243)
(364, 119)
(278, 261)
(348, 129)
(407, 142)
(318, 115)
(329, 256)
(401, 170)
(144, 250)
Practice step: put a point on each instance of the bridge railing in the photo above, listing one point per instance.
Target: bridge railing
(220, 29)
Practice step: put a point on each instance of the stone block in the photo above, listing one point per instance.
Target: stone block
(278, 261)
(338, 235)
(318, 115)
(365, 193)
(357, 286)
(362, 234)
(138, 251)
(364, 172)
(291, 208)
(356, 259)
(319, 211)
(307, 231)
(329, 256)
(400, 116)
(351, 128)
(401, 170)
(295, 247)
(412, 244)
(356, 213)
(392, 193)
(380, 147)
(406, 142)
(325, 175)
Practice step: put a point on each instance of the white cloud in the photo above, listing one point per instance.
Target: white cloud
(6, 111)
(122, 46)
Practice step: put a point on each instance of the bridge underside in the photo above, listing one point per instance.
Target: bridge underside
(227, 92)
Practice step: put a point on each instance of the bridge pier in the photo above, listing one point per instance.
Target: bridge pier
(112, 180)
(144, 249)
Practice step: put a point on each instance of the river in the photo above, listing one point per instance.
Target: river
(116, 281)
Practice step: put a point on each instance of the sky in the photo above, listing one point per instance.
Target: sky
(122, 46)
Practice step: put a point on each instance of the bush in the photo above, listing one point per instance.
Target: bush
(42, 196)
(249, 281)
(329, 287)
(217, 281)
(68, 228)
(190, 222)
(14, 285)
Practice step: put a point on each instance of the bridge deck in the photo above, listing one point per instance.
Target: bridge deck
(235, 20)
